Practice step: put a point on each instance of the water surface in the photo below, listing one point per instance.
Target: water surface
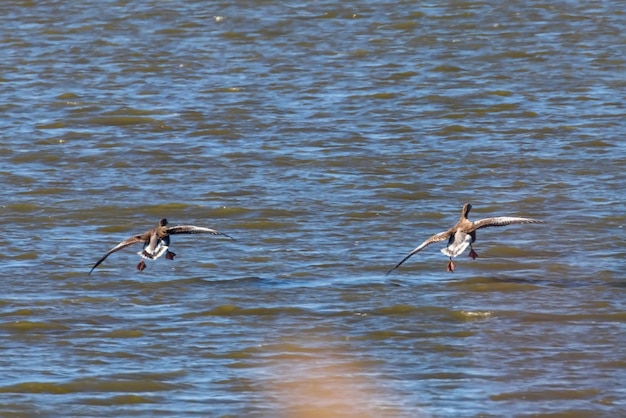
(330, 140)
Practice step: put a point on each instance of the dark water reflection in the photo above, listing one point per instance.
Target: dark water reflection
(330, 140)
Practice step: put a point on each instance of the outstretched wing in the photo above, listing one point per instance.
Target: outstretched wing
(123, 244)
(435, 238)
(503, 221)
(191, 229)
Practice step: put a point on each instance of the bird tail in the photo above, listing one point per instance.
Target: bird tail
(457, 247)
(158, 251)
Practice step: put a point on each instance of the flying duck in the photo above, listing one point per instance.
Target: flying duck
(463, 234)
(156, 242)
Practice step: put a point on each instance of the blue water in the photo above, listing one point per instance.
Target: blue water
(329, 140)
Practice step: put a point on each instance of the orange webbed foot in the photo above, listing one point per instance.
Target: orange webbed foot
(170, 255)
(141, 266)
(450, 267)
(473, 254)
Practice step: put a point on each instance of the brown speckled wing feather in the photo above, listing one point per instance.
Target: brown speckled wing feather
(503, 221)
(435, 238)
(191, 229)
(123, 244)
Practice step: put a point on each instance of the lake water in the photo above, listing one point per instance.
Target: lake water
(330, 139)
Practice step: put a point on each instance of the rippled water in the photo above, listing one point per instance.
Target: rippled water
(330, 139)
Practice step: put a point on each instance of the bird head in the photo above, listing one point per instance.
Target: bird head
(466, 210)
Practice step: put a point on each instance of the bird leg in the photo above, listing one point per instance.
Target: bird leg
(450, 266)
(170, 255)
(141, 266)
(473, 253)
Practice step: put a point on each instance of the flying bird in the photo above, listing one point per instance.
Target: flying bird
(156, 242)
(463, 234)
